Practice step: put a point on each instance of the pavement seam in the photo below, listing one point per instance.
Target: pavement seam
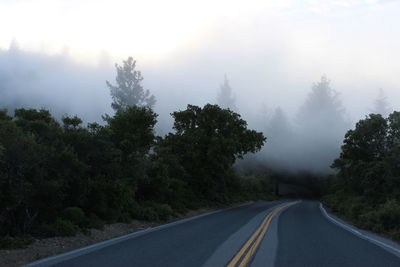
(378, 243)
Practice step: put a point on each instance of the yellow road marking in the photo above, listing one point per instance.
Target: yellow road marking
(249, 248)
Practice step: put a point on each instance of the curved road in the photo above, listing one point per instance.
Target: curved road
(258, 234)
(307, 238)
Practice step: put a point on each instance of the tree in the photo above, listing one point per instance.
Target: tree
(207, 142)
(14, 46)
(322, 125)
(279, 147)
(381, 105)
(367, 187)
(71, 122)
(393, 144)
(362, 161)
(133, 130)
(129, 90)
(279, 125)
(4, 116)
(19, 155)
(323, 106)
(225, 98)
(367, 142)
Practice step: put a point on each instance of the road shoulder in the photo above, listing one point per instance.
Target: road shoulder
(385, 243)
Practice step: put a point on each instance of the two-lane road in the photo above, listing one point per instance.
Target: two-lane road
(258, 234)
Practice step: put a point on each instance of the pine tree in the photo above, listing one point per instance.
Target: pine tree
(381, 105)
(279, 125)
(129, 90)
(14, 46)
(225, 98)
(323, 106)
(322, 125)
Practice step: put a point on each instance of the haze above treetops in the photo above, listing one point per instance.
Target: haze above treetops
(271, 51)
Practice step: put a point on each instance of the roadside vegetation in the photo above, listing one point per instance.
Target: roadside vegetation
(366, 189)
(58, 178)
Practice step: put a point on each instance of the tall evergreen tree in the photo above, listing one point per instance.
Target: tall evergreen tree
(279, 149)
(225, 98)
(322, 125)
(129, 91)
(381, 105)
(14, 46)
(323, 106)
(279, 125)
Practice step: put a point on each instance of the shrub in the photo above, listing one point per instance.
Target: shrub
(164, 211)
(94, 222)
(151, 211)
(75, 215)
(149, 214)
(8, 242)
(179, 208)
(60, 228)
(389, 215)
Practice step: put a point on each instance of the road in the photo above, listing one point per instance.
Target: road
(280, 233)
(307, 238)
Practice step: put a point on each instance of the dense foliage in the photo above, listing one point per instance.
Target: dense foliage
(57, 178)
(367, 187)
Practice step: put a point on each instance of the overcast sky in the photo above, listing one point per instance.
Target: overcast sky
(272, 51)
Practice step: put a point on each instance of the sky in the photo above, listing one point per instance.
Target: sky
(271, 51)
(283, 44)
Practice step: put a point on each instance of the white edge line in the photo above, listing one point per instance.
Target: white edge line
(358, 233)
(84, 250)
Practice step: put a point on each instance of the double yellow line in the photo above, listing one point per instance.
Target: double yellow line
(243, 257)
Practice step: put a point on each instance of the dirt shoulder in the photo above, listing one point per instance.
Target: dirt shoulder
(46, 247)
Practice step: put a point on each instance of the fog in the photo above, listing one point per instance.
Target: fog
(271, 55)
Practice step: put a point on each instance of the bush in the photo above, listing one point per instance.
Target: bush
(149, 214)
(179, 208)
(382, 218)
(59, 228)
(8, 242)
(75, 215)
(371, 221)
(389, 215)
(94, 222)
(164, 211)
(395, 234)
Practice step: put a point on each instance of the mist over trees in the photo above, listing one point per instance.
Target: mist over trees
(311, 140)
(57, 83)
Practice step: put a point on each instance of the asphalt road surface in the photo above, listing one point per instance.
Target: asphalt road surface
(280, 233)
(307, 238)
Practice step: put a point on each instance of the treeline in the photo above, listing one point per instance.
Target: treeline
(366, 189)
(57, 178)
